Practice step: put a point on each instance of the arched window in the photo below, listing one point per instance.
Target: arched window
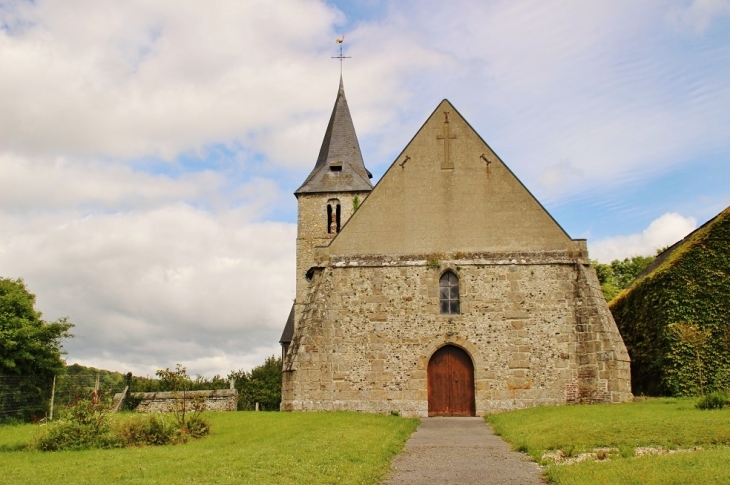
(449, 293)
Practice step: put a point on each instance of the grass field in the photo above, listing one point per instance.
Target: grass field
(667, 424)
(244, 447)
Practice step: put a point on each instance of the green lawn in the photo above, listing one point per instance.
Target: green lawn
(701, 468)
(667, 423)
(244, 447)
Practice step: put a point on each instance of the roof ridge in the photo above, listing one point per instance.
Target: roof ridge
(666, 258)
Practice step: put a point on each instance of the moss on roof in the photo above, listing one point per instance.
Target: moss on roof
(688, 287)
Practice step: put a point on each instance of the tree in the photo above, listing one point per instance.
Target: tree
(28, 344)
(262, 385)
(618, 275)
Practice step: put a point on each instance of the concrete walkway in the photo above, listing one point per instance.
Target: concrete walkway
(460, 451)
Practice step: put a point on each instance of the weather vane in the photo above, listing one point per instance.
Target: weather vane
(341, 57)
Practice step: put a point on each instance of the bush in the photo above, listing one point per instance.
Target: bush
(160, 429)
(714, 400)
(87, 425)
(83, 425)
(152, 429)
(198, 427)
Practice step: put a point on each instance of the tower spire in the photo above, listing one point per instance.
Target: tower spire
(339, 167)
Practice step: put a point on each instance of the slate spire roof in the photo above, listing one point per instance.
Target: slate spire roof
(339, 167)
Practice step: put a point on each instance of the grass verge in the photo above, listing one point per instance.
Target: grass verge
(670, 424)
(243, 447)
(700, 468)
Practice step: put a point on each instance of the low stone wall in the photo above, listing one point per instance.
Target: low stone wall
(160, 402)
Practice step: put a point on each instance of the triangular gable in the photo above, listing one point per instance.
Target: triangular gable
(439, 198)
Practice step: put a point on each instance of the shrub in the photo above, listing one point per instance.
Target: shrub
(152, 429)
(83, 425)
(86, 425)
(714, 400)
(160, 429)
(198, 427)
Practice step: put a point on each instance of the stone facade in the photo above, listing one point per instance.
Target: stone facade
(368, 319)
(527, 320)
(163, 402)
(312, 231)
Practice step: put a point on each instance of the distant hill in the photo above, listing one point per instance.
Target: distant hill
(675, 317)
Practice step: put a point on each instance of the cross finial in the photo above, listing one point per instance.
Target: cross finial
(341, 57)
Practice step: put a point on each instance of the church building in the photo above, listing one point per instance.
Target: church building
(444, 290)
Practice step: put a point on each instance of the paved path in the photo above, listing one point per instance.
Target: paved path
(460, 451)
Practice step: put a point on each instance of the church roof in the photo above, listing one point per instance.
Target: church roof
(288, 332)
(339, 167)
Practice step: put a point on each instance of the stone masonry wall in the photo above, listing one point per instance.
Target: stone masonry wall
(160, 402)
(312, 233)
(530, 322)
(603, 361)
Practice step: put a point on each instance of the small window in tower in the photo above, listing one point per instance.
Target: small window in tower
(336, 166)
(449, 293)
(329, 219)
(338, 217)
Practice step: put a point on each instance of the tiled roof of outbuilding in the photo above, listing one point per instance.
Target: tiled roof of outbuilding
(339, 167)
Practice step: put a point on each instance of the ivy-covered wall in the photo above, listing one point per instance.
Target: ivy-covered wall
(675, 321)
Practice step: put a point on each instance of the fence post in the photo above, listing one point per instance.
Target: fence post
(96, 384)
(257, 406)
(53, 394)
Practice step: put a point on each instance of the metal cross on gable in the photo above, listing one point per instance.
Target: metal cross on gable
(446, 136)
(341, 57)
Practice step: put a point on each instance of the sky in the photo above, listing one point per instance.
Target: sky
(149, 150)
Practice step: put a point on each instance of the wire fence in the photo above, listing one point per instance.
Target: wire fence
(31, 398)
(24, 397)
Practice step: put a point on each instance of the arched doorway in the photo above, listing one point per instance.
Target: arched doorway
(451, 383)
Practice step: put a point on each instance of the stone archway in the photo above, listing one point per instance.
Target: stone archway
(451, 383)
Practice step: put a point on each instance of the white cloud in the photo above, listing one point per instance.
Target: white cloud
(37, 183)
(698, 15)
(555, 81)
(559, 174)
(545, 83)
(87, 78)
(153, 287)
(663, 231)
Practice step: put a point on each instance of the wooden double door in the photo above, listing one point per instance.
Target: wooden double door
(451, 383)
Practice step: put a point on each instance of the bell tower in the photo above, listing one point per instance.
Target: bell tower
(331, 193)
